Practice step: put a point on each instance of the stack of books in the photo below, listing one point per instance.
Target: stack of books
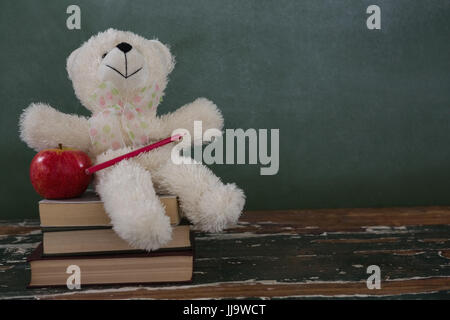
(78, 232)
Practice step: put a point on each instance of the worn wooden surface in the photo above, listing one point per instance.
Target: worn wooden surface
(300, 254)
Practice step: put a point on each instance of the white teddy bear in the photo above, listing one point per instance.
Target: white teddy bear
(120, 77)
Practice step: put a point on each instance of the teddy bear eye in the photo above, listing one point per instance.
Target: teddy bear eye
(104, 55)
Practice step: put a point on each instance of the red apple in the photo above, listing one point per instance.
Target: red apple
(60, 173)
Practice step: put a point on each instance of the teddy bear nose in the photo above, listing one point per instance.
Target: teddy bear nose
(124, 47)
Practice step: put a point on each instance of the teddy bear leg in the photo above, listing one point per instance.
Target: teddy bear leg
(208, 203)
(130, 200)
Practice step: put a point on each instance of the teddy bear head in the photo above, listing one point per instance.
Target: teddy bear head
(123, 60)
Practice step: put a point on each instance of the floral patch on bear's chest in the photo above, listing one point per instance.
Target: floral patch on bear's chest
(119, 114)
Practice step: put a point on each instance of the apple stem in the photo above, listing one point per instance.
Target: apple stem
(60, 146)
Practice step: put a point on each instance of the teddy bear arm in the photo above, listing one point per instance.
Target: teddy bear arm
(201, 109)
(43, 127)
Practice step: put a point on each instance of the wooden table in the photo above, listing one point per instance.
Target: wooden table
(299, 254)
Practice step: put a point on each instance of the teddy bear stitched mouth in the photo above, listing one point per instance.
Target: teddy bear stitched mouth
(126, 76)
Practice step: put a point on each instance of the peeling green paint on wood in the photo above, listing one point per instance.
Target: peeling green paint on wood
(283, 257)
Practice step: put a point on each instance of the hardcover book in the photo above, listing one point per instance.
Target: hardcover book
(126, 268)
(88, 211)
(103, 241)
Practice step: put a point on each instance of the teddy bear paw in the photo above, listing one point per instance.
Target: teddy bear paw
(219, 208)
(145, 235)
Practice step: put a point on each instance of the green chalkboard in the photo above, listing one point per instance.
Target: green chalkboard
(363, 114)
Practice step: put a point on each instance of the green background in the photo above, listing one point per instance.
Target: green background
(363, 115)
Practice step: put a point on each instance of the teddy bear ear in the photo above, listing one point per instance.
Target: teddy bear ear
(71, 62)
(166, 56)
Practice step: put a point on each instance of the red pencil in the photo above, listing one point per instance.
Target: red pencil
(132, 154)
